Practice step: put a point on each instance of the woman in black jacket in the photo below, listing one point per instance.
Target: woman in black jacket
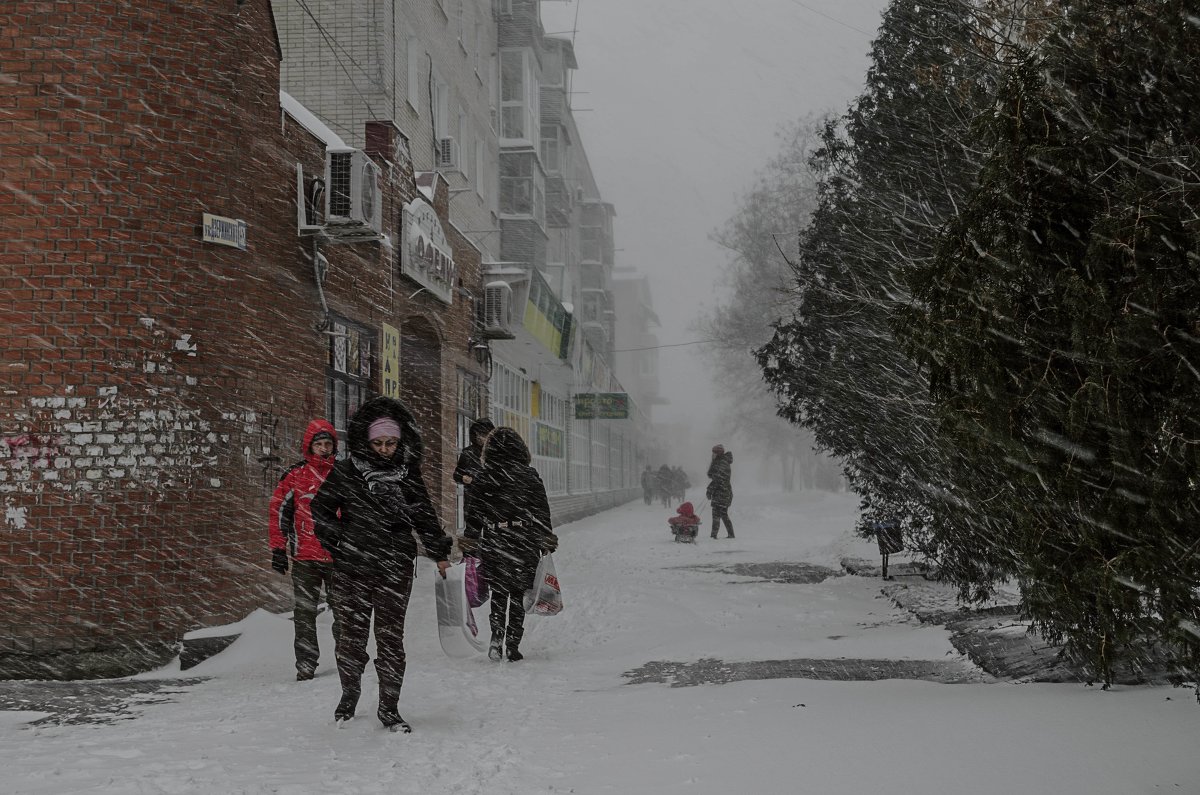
(470, 461)
(365, 514)
(510, 523)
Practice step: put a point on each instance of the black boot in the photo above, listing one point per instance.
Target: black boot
(345, 707)
(388, 712)
(495, 652)
(514, 654)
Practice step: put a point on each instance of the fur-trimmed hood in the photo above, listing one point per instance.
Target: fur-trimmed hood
(410, 451)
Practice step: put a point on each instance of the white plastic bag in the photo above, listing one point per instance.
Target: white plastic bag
(545, 597)
(457, 630)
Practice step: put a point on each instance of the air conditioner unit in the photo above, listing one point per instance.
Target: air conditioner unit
(447, 153)
(353, 194)
(497, 310)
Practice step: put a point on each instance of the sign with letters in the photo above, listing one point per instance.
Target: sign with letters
(426, 256)
(602, 406)
(390, 362)
(224, 231)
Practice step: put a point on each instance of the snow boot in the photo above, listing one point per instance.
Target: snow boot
(514, 654)
(388, 713)
(495, 652)
(345, 707)
(305, 674)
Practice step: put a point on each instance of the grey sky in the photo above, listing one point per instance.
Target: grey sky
(679, 104)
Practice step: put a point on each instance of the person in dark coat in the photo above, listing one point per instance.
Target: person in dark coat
(648, 481)
(366, 514)
(664, 483)
(290, 533)
(720, 489)
(470, 461)
(511, 529)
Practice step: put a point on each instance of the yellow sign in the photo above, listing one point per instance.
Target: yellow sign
(390, 364)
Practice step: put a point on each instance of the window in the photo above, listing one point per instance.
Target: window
(518, 96)
(414, 74)
(480, 170)
(550, 149)
(522, 187)
(441, 107)
(348, 374)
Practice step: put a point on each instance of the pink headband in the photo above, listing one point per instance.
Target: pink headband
(384, 426)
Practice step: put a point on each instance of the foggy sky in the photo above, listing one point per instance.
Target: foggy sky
(679, 103)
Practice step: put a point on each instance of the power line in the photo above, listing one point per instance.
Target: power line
(831, 19)
(656, 347)
(331, 41)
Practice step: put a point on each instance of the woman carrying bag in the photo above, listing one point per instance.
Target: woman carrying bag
(366, 513)
(509, 528)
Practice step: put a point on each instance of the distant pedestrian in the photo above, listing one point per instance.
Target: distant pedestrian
(291, 535)
(664, 484)
(681, 484)
(720, 489)
(470, 462)
(512, 520)
(366, 513)
(648, 481)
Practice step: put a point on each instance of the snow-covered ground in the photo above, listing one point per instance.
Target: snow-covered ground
(565, 721)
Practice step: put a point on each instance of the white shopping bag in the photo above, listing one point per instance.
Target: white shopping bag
(457, 630)
(545, 597)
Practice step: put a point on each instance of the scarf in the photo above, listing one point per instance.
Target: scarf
(384, 482)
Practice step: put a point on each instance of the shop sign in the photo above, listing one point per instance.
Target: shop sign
(390, 362)
(602, 406)
(426, 256)
(224, 231)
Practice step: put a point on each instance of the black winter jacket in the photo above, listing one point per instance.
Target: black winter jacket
(720, 473)
(360, 531)
(505, 494)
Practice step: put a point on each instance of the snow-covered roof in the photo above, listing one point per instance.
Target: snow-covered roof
(309, 121)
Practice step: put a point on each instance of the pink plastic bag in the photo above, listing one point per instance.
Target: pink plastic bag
(477, 587)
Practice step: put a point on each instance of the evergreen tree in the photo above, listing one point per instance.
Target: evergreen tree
(1058, 327)
(892, 173)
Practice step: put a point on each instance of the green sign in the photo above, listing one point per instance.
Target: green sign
(602, 406)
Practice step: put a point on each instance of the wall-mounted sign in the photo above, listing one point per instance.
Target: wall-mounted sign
(426, 256)
(390, 362)
(602, 406)
(224, 231)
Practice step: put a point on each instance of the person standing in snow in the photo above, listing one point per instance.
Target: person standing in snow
(720, 489)
(648, 481)
(290, 533)
(664, 484)
(510, 530)
(366, 513)
(470, 461)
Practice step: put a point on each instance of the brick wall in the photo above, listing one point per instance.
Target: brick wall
(152, 386)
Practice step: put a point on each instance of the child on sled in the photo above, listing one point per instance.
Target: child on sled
(685, 523)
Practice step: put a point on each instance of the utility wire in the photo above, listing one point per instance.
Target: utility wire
(330, 41)
(831, 19)
(656, 347)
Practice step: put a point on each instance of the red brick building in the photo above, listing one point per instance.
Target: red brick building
(167, 330)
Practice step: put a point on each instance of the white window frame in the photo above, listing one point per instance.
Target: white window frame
(414, 74)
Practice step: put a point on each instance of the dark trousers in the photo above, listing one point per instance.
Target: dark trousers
(359, 594)
(721, 513)
(507, 618)
(307, 578)
(648, 495)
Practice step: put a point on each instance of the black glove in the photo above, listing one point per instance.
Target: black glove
(550, 544)
(279, 560)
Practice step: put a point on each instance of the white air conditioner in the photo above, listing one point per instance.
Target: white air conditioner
(447, 153)
(353, 194)
(497, 309)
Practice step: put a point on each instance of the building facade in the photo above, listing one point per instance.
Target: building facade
(191, 282)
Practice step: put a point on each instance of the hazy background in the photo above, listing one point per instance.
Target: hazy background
(679, 103)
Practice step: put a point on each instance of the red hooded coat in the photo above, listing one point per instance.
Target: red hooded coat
(685, 516)
(291, 522)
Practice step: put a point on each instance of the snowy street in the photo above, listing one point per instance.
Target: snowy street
(567, 719)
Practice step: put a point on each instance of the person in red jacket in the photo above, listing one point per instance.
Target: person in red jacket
(291, 535)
